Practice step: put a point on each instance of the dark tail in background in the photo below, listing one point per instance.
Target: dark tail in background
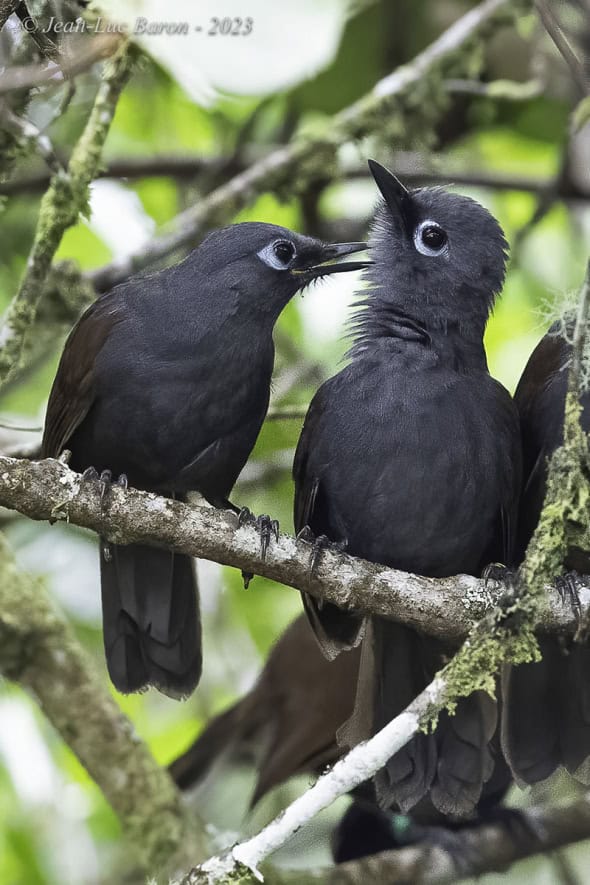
(151, 622)
(546, 716)
(453, 763)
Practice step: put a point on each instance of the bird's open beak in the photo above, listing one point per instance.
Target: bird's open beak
(322, 267)
(397, 197)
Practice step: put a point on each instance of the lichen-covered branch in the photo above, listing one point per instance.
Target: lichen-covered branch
(445, 607)
(39, 650)
(485, 848)
(473, 668)
(60, 207)
(409, 100)
(7, 7)
(360, 764)
(565, 518)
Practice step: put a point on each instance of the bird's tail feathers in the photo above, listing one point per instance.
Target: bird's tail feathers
(151, 624)
(450, 764)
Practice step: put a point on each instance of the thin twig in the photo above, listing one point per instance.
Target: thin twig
(580, 333)
(60, 207)
(27, 130)
(358, 766)
(41, 40)
(555, 31)
(27, 76)
(287, 413)
(278, 170)
(7, 7)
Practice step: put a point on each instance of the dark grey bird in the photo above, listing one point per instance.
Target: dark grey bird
(166, 380)
(546, 705)
(410, 456)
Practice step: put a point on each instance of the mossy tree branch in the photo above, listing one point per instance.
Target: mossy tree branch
(445, 607)
(39, 650)
(61, 205)
(565, 519)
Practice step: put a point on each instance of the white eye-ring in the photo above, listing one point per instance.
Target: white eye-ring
(430, 239)
(279, 254)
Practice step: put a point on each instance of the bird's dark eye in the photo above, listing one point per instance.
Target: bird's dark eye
(278, 254)
(284, 251)
(430, 238)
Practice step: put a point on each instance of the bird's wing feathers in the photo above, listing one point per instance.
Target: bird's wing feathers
(335, 630)
(306, 483)
(73, 391)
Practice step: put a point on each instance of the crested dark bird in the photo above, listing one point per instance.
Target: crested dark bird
(546, 705)
(410, 456)
(165, 380)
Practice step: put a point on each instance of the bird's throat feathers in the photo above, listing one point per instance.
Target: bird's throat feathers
(423, 301)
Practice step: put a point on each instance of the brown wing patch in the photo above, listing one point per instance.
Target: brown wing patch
(549, 356)
(72, 394)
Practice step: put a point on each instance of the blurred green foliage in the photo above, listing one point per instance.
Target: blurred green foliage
(55, 827)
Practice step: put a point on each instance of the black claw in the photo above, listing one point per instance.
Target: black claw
(499, 573)
(246, 578)
(267, 529)
(567, 587)
(105, 481)
(245, 516)
(306, 535)
(318, 545)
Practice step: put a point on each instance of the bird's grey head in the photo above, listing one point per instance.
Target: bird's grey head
(268, 264)
(440, 256)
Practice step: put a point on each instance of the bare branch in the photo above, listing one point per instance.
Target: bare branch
(28, 76)
(360, 764)
(7, 7)
(303, 157)
(446, 607)
(474, 667)
(580, 335)
(555, 31)
(42, 41)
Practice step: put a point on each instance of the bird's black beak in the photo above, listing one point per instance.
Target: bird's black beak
(321, 266)
(397, 197)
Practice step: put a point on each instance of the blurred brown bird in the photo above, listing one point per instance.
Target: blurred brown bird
(286, 725)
